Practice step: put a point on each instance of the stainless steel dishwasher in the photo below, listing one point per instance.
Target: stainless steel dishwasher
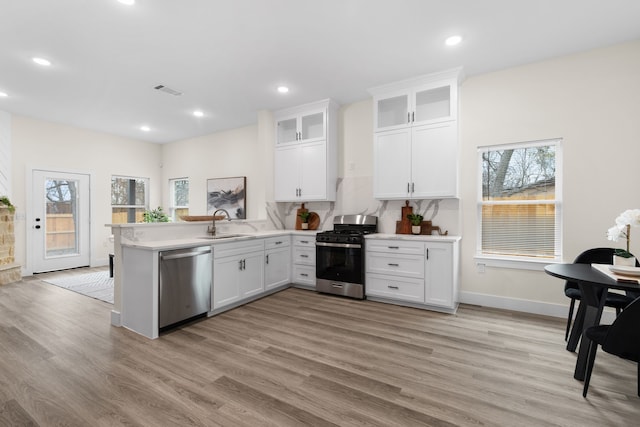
(185, 284)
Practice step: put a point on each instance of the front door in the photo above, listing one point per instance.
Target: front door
(60, 221)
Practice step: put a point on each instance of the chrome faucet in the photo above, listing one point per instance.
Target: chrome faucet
(212, 228)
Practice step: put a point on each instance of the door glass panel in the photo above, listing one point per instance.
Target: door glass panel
(287, 130)
(61, 219)
(313, 126)
(433, 104)
(392, 111)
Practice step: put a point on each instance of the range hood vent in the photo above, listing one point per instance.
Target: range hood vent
(163, 88)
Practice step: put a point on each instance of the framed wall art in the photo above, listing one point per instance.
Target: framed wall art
(228, 194)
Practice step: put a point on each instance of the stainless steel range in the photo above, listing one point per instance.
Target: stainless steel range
(340, 255)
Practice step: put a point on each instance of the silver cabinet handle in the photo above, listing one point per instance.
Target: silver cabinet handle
(413, 117)
(393, 247)
(304, 274)
(408, 117)
(407, 187)
(394, 265)
(240, 265)
(427, 253)
(304, 241)
(267, 258)
(304, 256)
(278, 243)
(413, 187)
(244, 264)
(392, 287)
(335, 285)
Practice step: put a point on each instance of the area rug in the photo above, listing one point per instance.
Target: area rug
(96, 285)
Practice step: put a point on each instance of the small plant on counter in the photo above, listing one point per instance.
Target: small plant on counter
(4, 200)
(416, 219)
(155, 215)
(304, 216)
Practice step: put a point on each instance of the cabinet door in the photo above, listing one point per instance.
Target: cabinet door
(439, 286)
(277, 267)
(226, 287)
(252, 274)
(313, 126)
(392, 111)
(285, 172)
(434, 161)
(391, 174)
(313, 171)
(287, 130)
(434, 103)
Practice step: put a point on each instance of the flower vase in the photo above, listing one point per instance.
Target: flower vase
(619, 260)
(305, 225)
(415, 229)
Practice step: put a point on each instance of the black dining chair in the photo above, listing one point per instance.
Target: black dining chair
(572, 290)
(622, 338)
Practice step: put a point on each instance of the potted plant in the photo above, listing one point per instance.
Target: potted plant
(155, 215)
(304, 216)
(416, 222)
(4, 200)
(624, 222)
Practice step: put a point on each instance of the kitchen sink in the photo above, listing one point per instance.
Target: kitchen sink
(221, 236)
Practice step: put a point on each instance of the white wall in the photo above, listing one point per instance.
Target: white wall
(236, 152)
(45, 145)
(5, 154)
(592, 101)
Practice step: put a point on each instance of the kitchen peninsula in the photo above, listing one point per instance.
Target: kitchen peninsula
(251, 262)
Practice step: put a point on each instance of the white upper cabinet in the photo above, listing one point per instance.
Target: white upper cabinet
(306, 162)
(419, 101)
(416, 137)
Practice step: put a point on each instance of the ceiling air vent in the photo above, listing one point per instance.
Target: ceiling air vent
(163, 88)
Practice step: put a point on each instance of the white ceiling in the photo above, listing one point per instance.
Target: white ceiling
(228, 56)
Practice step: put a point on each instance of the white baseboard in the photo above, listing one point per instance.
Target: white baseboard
(115, 318)
(526, 306)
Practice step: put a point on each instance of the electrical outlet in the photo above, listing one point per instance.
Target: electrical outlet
(480, 267)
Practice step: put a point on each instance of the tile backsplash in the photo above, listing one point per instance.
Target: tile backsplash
(355, 196)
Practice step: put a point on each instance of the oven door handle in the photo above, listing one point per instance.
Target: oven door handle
(338, 245)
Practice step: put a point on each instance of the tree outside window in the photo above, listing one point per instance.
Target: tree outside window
(179, 197)
(129, 199)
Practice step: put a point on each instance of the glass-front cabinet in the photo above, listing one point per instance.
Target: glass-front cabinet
(305, 163)
(305, 127)
(416, 137)
(414, 103)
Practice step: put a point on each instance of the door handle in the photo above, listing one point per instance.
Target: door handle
(37, 227)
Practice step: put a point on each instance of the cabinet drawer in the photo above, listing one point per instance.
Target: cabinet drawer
(222, 250)
(277, 242)
(302, 255)
(398, 288)
(395, 246)
(309, 241)
(395, 264)
(304, 275)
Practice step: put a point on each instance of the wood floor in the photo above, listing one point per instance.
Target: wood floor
(297, 358)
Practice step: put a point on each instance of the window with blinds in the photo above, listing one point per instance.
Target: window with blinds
(519, 203)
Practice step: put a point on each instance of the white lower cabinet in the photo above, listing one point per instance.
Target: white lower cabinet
(277, 262)
(303, 254)
(238, 272)
(424, 273)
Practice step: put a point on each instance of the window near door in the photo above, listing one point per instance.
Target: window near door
(129, 199)
(178, 197)
(520, 201)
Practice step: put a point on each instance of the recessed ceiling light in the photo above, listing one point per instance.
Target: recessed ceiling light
(453, 40)
(42, 61)
(127, 2)
(283, 89)
(145, 128)
(198, 113)
(3, 95)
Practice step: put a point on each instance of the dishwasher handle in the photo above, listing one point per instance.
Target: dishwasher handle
(185, 255)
